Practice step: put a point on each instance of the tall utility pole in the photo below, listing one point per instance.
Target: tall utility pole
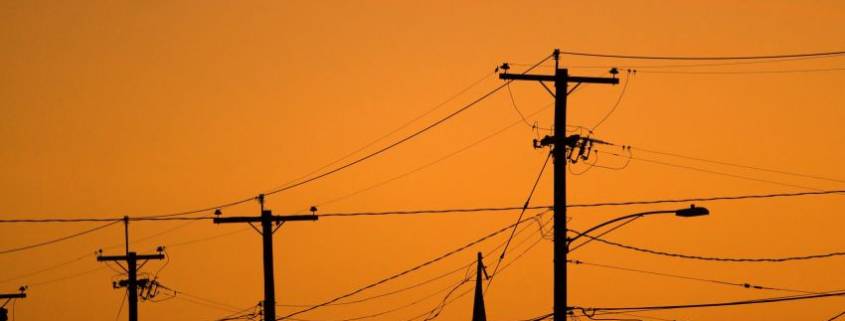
(131, 259)
(266, 219)
(561, 80)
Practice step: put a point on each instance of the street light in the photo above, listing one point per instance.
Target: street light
(692, 211)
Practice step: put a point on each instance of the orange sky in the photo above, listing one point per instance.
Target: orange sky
(111, 109)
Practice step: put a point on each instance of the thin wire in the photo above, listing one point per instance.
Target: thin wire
(122, 302)
(357, 161)
(405, 272)
(697, 169)
(513, 103)
(521, 213)
(54, 241)
(718, 304)
(628, 79)
(836, 316)
(432, 163)
(427, 281)
(603, 234)
(745, 285)
(695, 65)
(403, 126)
(717, 259)
(755, 57)
(776, 171)
(47, 269)
(744, 72)
(576, 205)
(505, 267)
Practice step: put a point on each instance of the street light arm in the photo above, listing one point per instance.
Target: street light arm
(621, 218)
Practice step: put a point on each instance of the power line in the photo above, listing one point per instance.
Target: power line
(403, 126)
(717, 259)
(518, 219)
(756, 57)
(697, 169)
(64, 238)
(432, 163)
(427, 281)
(405, 272)
(836, 316)
(745, 285)
(497, 209)
(363, 158)
(757, 168)
(592, 311)
(745, 72)
(618, 101)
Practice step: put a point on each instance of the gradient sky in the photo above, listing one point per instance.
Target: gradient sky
(137, 108)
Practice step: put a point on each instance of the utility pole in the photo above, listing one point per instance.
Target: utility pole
(559, 143)
(4, 314)
(479, 313)
(266, 219)
(131, 259)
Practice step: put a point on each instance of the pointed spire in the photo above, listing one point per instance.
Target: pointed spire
(478, 311)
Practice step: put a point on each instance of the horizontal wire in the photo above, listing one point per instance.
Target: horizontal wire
(757, 168)
(703, 170)
(755, 57)
(717, 259)
(677, 276)
(491, 209)
(742, 72)
(716, 304)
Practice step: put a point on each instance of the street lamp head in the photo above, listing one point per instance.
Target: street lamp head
(692, 211)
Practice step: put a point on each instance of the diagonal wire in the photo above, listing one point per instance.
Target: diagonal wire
(521, 213)
(64, 238)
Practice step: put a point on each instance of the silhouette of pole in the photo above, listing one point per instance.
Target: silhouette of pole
(266, 219)
(131, 260)
(478, 311)
(561, 79)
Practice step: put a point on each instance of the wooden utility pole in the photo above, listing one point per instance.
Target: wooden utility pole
(266, 219)
(559, 142)
(131, 268)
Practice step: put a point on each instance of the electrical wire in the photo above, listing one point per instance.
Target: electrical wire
(518, 219)
(702, 170)
(744, 72)
(745, 285)
(628, 79)
(717, 259)
(620, 225)
(731, 164)
(505, 267)
(358, 160)
(435, 278)
(395, 130)
(754, 57)
(429, 164)
(592, 310)
(836, 316)
(122, 302)
(405, 272)
(54, 241)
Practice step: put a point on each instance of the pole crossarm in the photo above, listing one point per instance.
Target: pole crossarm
(258, 219)
(126, 257)
(12, 295)
(574, 79)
